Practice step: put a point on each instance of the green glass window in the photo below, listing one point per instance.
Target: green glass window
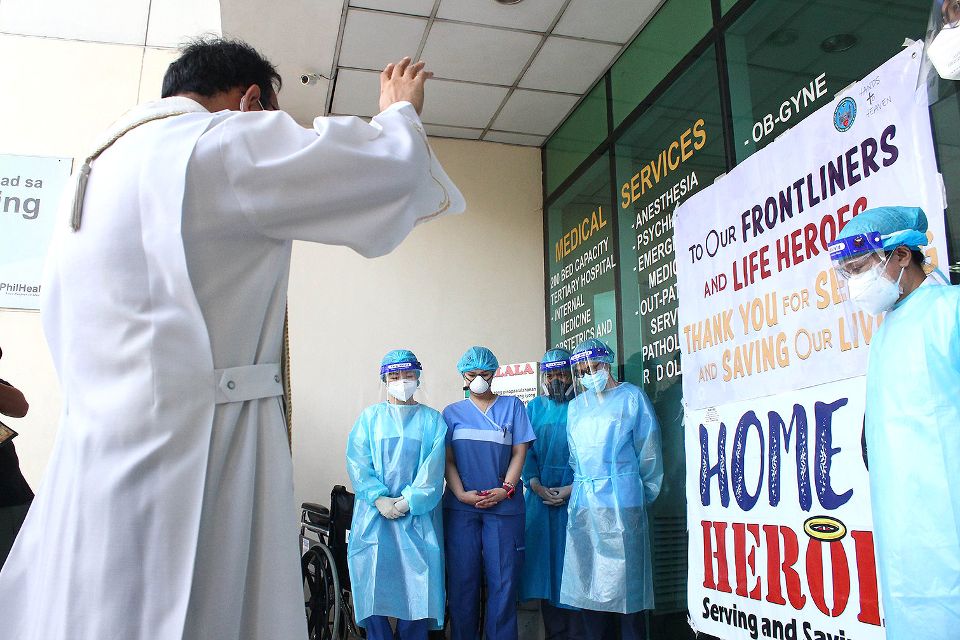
(786, 59)
(726, 5)
(945, 120)
(667, 37)
(579, 135)
(672, 151)
(581, 296)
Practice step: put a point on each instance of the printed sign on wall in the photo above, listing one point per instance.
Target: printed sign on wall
(30, 190)
(519, 379)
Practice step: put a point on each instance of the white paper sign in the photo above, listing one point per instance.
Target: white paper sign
(30, 191)
(519, 379)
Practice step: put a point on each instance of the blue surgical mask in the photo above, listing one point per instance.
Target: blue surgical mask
(597, 381)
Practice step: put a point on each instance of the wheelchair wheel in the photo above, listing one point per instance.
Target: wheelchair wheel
(321, 589)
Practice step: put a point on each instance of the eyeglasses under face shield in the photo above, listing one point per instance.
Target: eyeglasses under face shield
(857, 254)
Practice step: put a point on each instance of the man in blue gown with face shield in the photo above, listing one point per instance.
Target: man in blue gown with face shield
(912, 418)
(548, 476)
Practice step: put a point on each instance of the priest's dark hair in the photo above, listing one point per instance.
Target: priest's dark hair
(212, 64)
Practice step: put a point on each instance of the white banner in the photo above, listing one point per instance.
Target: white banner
(519, 379)
(30, 189)
(781, 536)
(760, 313)
(778, 505)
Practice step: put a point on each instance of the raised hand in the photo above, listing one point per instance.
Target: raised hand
(403, 81)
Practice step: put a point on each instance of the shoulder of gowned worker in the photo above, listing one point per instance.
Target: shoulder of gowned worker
(943, 298)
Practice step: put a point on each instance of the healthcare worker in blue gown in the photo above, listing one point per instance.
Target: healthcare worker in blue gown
(614, 440)
(548, 476)
(395, 459)
(483, 510)
(912, 418)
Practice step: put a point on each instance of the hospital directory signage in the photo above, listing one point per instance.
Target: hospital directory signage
(582, 262)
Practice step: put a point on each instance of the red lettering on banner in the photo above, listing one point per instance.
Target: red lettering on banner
(720, 554)
(867, 577)
(743, 559)
(839, 570)
(776, 568)
(781, 546)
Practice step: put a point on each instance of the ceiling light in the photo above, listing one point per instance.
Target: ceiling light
(509, 1)
(839, 42)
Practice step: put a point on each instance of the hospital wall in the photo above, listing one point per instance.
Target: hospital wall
(475, 278)
(471, 279)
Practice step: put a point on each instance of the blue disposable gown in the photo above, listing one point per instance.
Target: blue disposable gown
(615, 453)
(548, 459)
(396, 566)
(913, 446)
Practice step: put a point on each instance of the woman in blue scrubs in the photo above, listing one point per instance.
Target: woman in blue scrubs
(483, 510)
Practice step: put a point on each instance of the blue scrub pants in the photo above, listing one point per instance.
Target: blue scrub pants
(378, 628)
(483, 546)
(604, 625)
(559, 623)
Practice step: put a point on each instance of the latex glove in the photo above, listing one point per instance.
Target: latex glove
(388, 507)
(402, 505)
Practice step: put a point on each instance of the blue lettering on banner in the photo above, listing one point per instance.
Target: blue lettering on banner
(747, 491)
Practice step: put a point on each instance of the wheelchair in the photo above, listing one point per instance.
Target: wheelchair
(323, 563)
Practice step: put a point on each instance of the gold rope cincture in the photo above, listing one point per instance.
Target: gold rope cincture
(84, 173)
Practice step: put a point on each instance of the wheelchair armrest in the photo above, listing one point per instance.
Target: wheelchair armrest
(315, 514)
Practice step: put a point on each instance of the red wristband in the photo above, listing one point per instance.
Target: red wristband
(510, 489)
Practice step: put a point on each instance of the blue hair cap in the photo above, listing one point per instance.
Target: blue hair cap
(593, 349)
(478, 358)
(399, 360)
(555, 359)
(897, 226)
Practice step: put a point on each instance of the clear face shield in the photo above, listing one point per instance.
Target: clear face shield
(591, 375)
(863, 277)
(556, 381)
(401, 383)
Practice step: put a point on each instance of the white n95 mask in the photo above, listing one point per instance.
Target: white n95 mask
(873, 291)
(402, 390)
(479, 385)
(944, 53)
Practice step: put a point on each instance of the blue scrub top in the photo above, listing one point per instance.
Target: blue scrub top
(482, 446)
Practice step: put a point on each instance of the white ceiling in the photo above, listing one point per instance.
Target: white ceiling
(503, 73)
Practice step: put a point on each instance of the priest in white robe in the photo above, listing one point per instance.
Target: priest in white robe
(166, 511)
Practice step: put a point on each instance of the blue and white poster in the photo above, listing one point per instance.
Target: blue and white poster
(30, 190)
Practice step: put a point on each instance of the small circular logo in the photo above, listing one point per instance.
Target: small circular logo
(845, 114)
(824, 528)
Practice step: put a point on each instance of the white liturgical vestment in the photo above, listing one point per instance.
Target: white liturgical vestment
(167, 508)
